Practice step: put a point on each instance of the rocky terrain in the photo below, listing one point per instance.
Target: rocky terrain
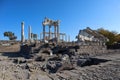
(15, 67)
(22, 69)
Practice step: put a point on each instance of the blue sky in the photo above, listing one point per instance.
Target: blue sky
(73, 14)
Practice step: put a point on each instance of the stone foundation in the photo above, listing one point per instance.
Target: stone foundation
(92, 49)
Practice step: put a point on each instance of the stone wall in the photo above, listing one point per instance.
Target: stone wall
(91, 49)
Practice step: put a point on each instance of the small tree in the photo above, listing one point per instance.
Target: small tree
(10, 35)
(118, 38)
(111, 35)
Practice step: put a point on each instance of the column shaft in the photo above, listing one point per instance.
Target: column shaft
(49, 33)
(22, 33)
(66, 37)
(29, 33)
(44, 33)
(57, 33)
(62, 37)
(40, 35)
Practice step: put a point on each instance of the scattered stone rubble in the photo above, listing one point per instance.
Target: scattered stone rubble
(65, 64)
(20, 68)
(56, 58)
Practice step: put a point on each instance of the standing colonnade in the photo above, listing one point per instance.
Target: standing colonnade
(51, 35)
(50, 23)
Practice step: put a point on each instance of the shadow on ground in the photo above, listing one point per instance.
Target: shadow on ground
(91, 61)
(11, 54)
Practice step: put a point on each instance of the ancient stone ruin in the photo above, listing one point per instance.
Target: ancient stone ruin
(57, 55)
(55, 58)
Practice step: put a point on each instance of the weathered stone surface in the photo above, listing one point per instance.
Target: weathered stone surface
(83, 62)
(64, 64)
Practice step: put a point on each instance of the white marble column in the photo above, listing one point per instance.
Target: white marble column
(57, 33)
(49, 33)
(22, 32)
(29, 34)
(62, 37)
(40, 36)
(44, 33)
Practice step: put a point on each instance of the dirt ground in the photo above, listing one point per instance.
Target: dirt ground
(11, 69)
(11, 48)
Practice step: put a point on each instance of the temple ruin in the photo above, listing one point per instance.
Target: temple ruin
(56, 57)
(90, 36)
(52, 50)
(54, 36)
(45, 36)
(87, 39)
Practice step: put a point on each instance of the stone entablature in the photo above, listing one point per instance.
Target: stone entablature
(90, 35)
